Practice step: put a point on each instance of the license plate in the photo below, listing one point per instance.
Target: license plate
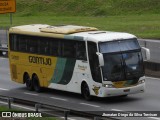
(127, 90)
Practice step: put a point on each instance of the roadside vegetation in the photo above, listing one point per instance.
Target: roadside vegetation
(139, 17)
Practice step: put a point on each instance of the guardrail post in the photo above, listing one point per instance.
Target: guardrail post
(37, 106)
(9, 100)
(66, 114)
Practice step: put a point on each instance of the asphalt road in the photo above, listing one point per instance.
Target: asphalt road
(148, 101)
(3, 36)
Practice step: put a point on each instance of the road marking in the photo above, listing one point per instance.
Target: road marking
(23, 107)
(116, 110)
(59, 98)
(89, 104)
(153, 78)
(30, 94)
(155, 118)
(68, 118)
(3, 58)
(4, 89)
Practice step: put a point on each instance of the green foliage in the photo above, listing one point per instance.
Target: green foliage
(139, 17)
(87, 7)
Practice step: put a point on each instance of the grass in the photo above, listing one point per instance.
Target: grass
(4, 108)
(139, 17)
(143, 26)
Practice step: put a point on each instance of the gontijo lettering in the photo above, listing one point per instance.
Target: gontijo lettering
(40, 60)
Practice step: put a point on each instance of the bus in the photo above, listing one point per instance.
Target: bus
(76, 59)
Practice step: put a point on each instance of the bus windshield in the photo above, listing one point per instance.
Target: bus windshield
(122, 60)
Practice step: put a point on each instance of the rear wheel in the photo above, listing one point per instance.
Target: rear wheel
(36, 84)
(28, 81)
(86, 92)
(123, 96)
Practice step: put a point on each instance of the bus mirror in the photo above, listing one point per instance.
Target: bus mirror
(101, 60)
(147, 53)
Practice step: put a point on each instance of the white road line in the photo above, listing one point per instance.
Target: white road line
(3, 103)
(59, 98)
(30, 94)
(155, 118)
(19, 106)
(3, 58)
(68, 118)
(116, 110)
(23, 107)
(4, 89)
(89, 104)
(153, 78)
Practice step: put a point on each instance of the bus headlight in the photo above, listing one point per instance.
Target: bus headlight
(109, 86)
(141, 81)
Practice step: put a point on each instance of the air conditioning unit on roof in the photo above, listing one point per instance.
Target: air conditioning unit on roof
(67, 29)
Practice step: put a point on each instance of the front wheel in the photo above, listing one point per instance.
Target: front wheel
(86, 92)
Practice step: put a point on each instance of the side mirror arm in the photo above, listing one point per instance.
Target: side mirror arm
(101, 59)
(147, 51)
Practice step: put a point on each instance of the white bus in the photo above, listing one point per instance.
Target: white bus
(77, 59)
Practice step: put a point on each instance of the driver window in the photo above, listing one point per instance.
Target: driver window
(94, 63)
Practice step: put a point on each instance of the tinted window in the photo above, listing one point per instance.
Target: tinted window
(93, 61)
(116, 46)
(48, 46)
(32, 44)
(68, 49)
(81, 50)
(55, 48)
(13, 42)
(44, 44)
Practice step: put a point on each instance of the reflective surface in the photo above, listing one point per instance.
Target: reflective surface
(122, 60)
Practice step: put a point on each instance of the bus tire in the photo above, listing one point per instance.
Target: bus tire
(28, 82)
(124, 96)
(85, 91)
(36, 84)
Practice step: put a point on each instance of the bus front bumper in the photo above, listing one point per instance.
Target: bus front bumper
(109, 92)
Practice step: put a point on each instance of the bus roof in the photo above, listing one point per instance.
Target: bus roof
(70, 32)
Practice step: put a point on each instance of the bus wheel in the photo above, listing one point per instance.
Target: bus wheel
(123, 96)
(86, 92)
(28, 81)
(36, 84)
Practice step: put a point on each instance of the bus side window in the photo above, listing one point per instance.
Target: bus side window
(13, 42)
(68, 49)
(22, 43)
(44, 46)
(32, 44)
(94, 63)
(54, 47)
(81, 50)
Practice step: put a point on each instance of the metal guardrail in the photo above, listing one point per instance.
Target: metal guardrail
(9, 101)
(3, 41)
(3, 49)
(66, 112)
